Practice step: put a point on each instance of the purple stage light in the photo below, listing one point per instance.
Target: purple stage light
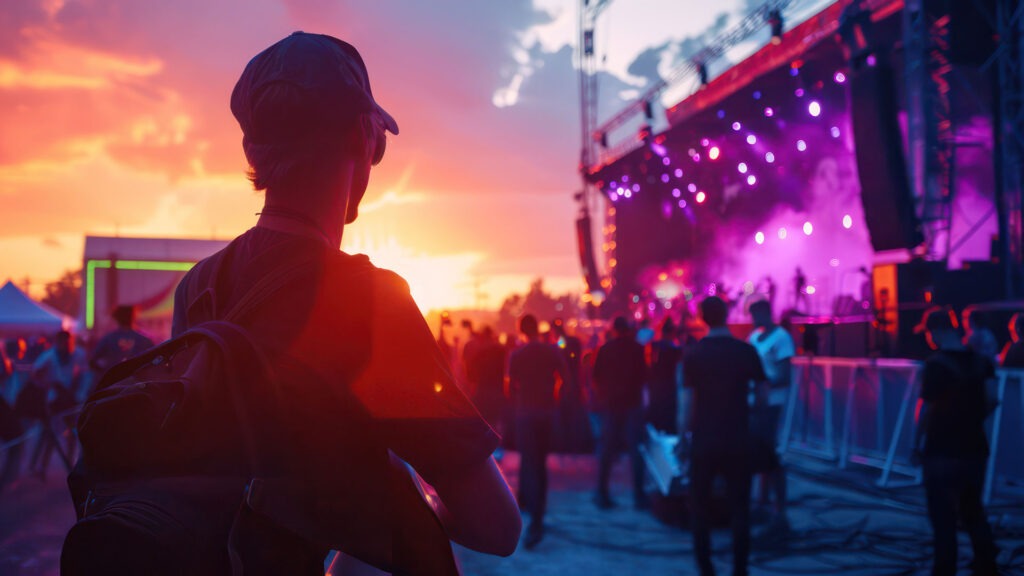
(679, 172)
(625, 178)
(769, 158)
(757, 94)
(742, 167)
(666, 161)
(847, 221)
(835, 132)
(676, 193)
(701, 197)
(808, 228)
(705, 142)
(714, 153)
(840, 78)
(810, 290)
(682, 203)
(658, 149)
(664, 178)
(696, 157)
(636, 187)
(736, 126)
(628, 194)
(794, 72)
(872, 61)
(783, 233)
(799, 92)
(759, 237)
(834, 262)
(751, 139)
(801, 145)
(692, 188)
(769, 112)
(751, 180)
(721, 114)
(814, 108)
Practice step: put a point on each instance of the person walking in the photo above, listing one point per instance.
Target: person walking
(533, 373)
(950, 442)
(620, 373)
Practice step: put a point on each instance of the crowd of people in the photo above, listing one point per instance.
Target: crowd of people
(42, 385)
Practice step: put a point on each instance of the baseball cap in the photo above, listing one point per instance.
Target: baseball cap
(304, 85)
(936, 318)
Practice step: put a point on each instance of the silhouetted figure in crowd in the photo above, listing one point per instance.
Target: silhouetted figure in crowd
(485, 368)
(532, 372)
(666, 366)
(776, 349)
(356, 374)
(1013, 352)
(719, 370)
(620, 373)
(979, 336)
(800, 301)
(120, 344)
(58, 374)
(573, 434)
(950, 442)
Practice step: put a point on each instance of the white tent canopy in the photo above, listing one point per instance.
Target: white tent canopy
(22, 316)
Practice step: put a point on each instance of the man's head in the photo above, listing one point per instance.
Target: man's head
(940, 327)
(761, 313)
(124, 316)
(305, 107)
(64, 342)
(714, 311)
(620, 326)
(528, 326)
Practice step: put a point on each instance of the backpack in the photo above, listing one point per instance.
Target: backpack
(168, 448)
(169, 475)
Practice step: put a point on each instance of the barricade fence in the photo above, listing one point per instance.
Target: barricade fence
(864, 411)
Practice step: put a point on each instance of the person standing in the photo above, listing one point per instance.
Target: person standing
(719, 370)
(620, 372)
(950, 442)
(120, 344)
(532, 373)
(666, 363)
(776, 349)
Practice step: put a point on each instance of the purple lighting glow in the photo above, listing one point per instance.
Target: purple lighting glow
(701, 197)
(814, 108)
(769, 158)
(692, 188)
(782, 233)
(714, 153)
(666, 161)
(840, 78)
(769, 112)
(751, 139)
(759, 237)
(676, 192)
(742, 167)
(736, 126)
(664, 178)
(835, 132)
(801, 145)
(682, 203)
(799, 92)
(679, 172)
(847, 221)
(808, 228)
(751, 180)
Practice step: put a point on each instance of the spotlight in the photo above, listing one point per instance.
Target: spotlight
(714, 153)
(751, 180)
(847, 222)
(776, 23)
(814, 108)
(769, 158)
(782, 233)
(801, 145)
(742, 167)
(840, 78)
(835, 132)
(759, 237)
(736, 126)
(701, 197)
(676, 193)
(808, 228)
(751, 139)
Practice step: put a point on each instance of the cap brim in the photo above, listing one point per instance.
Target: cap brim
(387, 119)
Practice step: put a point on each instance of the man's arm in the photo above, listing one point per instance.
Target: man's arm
(479, 510)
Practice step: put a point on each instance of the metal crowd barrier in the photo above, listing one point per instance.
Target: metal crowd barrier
(877, 400)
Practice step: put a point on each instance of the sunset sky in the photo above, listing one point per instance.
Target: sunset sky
(115, 121)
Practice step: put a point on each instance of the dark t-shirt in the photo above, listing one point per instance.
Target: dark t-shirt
(358, 371)
(532, 369)
(719, 370)
(953, 382)
(620, 371)
(118, 346)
